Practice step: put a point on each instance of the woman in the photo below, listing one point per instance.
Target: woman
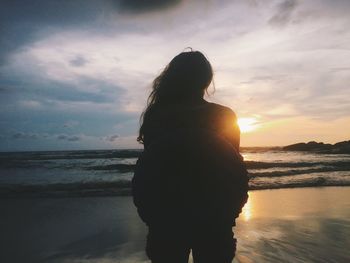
(190, 183)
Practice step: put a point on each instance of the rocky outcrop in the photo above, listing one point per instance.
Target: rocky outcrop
(340, 147)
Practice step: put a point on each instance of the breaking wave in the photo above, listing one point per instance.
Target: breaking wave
(109, 172)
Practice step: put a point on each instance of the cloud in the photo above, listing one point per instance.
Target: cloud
(4, 89)
(283, 13)
(30, 104)
(137, 6)
(22, 135)
(78, 61)
(112, 138)
(342, 69)
(70, 124)
(24, 23)
(34, 91)
(264, 78)
(70, 138)
(35, 136)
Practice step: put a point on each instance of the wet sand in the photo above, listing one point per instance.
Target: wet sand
(285, 225)
(296, 225)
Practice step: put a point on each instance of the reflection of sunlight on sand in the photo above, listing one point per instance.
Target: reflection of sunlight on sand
(242, 259)
(247, 210)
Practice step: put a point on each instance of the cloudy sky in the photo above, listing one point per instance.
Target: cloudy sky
(76, 74)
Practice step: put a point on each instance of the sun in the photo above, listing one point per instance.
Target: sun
(247, 124)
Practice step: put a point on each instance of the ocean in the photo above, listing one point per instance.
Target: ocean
(109, 172)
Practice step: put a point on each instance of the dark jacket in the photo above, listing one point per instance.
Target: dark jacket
(191, 171)
(201, 114)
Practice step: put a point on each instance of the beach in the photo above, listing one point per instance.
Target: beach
(282, 225)
(184, 107)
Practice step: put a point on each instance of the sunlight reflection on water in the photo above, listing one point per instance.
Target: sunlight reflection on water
(247, 210)
(295, 225)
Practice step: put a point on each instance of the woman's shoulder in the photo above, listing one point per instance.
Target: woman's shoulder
(221, 109)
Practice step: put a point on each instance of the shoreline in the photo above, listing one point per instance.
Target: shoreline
(289, 224)
(36, 191)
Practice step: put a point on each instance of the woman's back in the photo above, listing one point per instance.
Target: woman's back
(199, 114)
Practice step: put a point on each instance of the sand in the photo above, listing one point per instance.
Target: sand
(286, 225)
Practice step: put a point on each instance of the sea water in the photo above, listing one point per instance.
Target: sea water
(109, 172)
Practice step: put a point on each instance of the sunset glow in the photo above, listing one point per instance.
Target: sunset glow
(247, 124)
(79, 76)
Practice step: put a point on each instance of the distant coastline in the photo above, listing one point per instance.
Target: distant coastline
(342, 147)
(320, 147)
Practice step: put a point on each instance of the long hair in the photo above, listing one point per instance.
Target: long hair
(185, 78)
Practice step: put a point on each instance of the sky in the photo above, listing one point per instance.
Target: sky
(76, 74)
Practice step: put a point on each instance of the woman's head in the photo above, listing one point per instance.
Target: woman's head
(184, 79)
(187, 76)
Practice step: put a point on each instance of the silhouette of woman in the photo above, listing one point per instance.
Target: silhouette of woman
(190, 182)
